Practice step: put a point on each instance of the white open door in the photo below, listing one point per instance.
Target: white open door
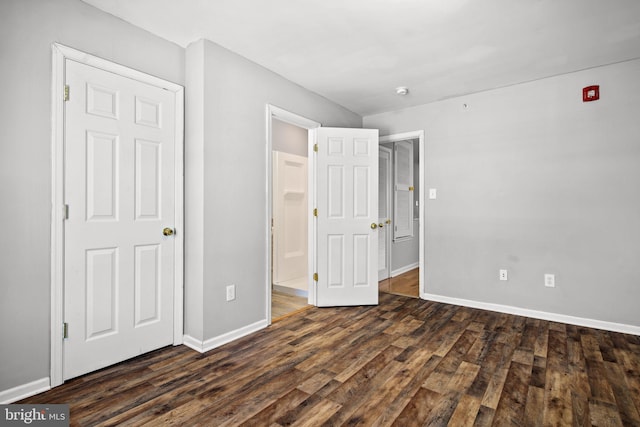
(347, 216)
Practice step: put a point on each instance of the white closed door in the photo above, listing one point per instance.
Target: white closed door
(120, 191)
(347, 217)
(290, 216)
(384, 212)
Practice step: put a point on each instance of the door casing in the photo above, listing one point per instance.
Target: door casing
(60, 54)
(274, 112)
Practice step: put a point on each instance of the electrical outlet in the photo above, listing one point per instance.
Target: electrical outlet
(231, 292)
(433, 193)
(550, 280)
(503, 274)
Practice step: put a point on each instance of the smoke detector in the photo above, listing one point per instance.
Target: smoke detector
(402, 90)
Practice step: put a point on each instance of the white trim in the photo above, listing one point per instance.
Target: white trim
(179, 198)
(419, 134)
(57, 216)
(543, 315)
(404, 269)
(291, 118)
(23, 391)
(215, 342)
(66, 52)
(273, 112)
(312, 186)
(60, 54)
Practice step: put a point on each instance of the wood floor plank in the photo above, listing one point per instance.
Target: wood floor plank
(277, 409)
(534, 408)
(511, 407)
(418, 408)
(484, 417)
(629, 414)
(397, 405)
(466, 411)
(404, 362)
(390, 390)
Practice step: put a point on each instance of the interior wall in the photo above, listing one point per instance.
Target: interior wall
(533, 180)
(289, 138)
(27, 30)
(236, 92)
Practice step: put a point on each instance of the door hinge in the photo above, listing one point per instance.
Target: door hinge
(411, 188)
(65, 330)
(66, 92)
(315, 277)
(315, 212)
(66, 211)
(315, 147)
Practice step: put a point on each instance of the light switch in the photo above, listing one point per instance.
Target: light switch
(432, 193)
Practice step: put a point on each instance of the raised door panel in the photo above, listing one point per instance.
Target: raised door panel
(336, 261)
(101, 292)
(102, 174)
(148, 187)
(148, 280)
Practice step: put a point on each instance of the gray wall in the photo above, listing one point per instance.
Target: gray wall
(289, 138)
(27, 29)
(533, 180)
(233, 150)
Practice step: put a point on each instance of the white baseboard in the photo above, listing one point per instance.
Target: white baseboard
(211, 343)
(25, 390)
(543, 315)
(404, 269)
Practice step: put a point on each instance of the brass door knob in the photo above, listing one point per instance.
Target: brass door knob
(388, 221)
(381, 225)
(167, 231)
(374, 225)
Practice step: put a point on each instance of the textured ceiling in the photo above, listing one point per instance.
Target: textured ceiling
(356, 52)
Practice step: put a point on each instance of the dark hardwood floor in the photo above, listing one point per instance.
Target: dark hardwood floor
(405, 362)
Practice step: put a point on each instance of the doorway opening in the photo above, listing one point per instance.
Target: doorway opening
(289, 219)
(401, 245)
(289, 192)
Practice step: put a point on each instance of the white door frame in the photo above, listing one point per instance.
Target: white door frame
(419, 135)
(274, 112)
(60, 53)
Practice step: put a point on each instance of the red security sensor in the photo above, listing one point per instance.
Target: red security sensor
(590, 93)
